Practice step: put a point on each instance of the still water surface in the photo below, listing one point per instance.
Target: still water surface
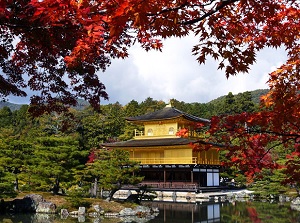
(234, 212)
(227, 212)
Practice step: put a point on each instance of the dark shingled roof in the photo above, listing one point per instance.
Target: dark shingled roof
(166, 113)
(150, 142)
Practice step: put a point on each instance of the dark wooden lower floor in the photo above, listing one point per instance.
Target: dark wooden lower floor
(180, 176)
(178, 186)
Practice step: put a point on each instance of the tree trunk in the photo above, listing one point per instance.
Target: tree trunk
(114, 190)
(17, 183)
(111, 194)
(56, 186)
(94, 188)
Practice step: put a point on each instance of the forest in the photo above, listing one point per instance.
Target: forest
(57, 152)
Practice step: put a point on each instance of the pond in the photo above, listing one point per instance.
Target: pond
(227, 212)
(169, 212)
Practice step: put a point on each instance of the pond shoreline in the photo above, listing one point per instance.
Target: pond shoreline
(187, 196)
(212, 201)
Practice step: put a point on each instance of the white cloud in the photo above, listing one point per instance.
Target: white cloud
(175, 73)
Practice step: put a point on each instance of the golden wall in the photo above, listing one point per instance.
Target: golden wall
(161, 129)
(174, 156)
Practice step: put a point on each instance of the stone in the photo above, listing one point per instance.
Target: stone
(24, 205)
(81, 211)
(127, 212)
(111, 214)
(35, 197)
(281, 198)
(155, 209)
(93, 214)
(46, 207)
(28, 204)
(43, 218)
(296, 201)
(295, 207)
(97, 208)
(64, 213)
(142, 209)
(81, 218)
(31, 203)
(74, 213)
(97, 220)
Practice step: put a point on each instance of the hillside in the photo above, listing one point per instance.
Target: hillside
(12, 106)
(256, 94)
(80, 105)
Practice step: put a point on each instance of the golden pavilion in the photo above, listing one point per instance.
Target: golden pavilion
(168, 160)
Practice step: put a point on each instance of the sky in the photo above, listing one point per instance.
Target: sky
(174, 73)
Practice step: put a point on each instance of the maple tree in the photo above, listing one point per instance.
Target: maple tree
(56, 47)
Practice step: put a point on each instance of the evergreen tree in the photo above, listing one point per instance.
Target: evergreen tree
(229, 104)
(114, 121)
(21, 120)
(244, 102)
(180, 105)
(5, 117)
(112, 169)
(6, 184)
(15, 155)
(132, 109)
(150, 105)
(93, 129)
(56, 159)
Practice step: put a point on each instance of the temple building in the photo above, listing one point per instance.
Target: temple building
(167, 160)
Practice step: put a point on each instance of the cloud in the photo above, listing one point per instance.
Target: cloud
(175, 73)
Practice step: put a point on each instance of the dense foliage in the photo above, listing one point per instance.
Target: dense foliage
(112, 170)
(56, 47)
(43, 154)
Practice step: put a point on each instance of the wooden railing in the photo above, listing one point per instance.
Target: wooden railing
(142, 134)
(175, 160)
(168, 185)
(138, 133)
(209, 161)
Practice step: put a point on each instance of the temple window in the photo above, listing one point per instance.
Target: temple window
(171, 131)
(150, 132)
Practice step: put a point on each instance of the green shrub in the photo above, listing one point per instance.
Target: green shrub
(77, 199)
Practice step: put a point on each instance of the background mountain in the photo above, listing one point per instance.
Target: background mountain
(11, 106)
(256, 94)
(80, 106)
(216, 103)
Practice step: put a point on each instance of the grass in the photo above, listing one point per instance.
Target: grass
(64, 201)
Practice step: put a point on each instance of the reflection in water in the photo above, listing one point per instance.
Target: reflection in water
(27, 218)
(259, 212)
(187, 212)
(38, 218)
(226, 212)
(208, 212)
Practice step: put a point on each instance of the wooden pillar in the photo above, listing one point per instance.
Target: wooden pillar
(165, 174)
(192, 215)
(192, 176)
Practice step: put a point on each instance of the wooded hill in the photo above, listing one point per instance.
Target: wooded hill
(214, 106)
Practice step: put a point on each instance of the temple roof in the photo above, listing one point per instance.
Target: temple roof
(166, 114)
(150, 142)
